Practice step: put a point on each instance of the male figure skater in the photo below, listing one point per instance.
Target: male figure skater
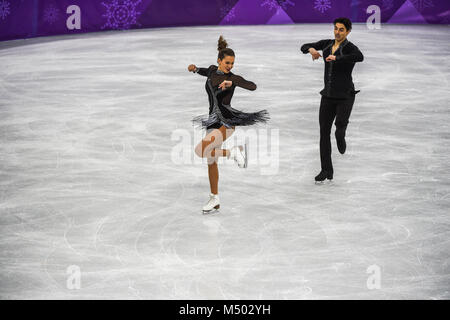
(340, 56)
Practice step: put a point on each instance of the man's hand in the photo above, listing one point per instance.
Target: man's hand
(330, 58)
(314, 53)
(192, 67)
(225, 84)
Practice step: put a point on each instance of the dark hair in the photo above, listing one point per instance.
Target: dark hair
(222, 47)
(345, 21)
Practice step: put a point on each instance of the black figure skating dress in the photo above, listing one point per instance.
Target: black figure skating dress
(220, 111)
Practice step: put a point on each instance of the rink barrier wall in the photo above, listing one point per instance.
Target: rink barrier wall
(35, 18)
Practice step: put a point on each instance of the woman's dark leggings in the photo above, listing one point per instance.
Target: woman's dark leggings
(329, 109)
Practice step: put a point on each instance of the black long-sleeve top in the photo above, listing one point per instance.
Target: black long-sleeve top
(338, 74)
(217, 77)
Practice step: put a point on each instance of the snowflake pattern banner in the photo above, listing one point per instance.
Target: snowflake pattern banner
(34, 18)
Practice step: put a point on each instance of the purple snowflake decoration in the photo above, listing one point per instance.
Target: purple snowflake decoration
(4, 9)
(271, 4)
(422, 4)
(228, 12)
(121, 14)
(275, 4)
(285, 3)
(388, 4)
(51, 14)
(322, 5)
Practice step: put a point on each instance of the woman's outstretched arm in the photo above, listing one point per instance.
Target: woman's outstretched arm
(200, 71)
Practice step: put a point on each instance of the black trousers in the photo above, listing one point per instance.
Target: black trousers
(329, 110)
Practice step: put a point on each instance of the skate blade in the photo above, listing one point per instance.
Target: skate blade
(325, 182)
(214, 210)
(246, 153)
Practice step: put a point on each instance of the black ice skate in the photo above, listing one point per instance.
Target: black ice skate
(324, 177)
(340, 141)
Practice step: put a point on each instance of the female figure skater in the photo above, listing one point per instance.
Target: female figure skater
(222, 118)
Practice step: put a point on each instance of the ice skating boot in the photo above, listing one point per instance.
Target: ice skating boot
(340, 141)
(324, 177)
(213, 204)
(239, 155)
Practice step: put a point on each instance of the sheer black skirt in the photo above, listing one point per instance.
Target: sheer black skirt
(229, 117)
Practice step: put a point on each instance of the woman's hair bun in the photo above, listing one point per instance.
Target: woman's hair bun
(222, 44)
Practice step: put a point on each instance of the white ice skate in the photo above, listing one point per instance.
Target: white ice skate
(213, 204)
(239, 154)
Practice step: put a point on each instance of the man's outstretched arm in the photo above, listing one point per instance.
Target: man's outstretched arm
(319, 45)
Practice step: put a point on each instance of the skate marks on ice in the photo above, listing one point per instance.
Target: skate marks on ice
(225, 256)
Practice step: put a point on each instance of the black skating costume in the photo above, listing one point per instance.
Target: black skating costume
(338, 94)
(220, 110)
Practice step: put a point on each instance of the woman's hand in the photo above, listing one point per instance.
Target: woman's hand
(225, 84)
(192, 67)
(330, 58)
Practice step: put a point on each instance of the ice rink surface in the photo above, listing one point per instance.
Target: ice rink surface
(98, 173)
